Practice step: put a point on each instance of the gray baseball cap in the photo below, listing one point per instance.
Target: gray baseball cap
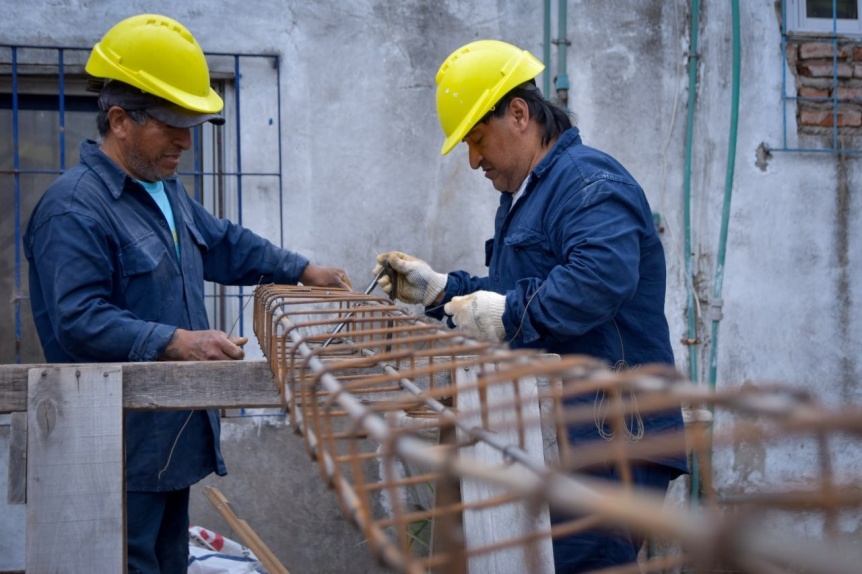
(130, 98)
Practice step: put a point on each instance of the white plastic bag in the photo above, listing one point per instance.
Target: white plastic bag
(212, 553)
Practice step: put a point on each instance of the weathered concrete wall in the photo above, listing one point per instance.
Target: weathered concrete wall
(363, 172)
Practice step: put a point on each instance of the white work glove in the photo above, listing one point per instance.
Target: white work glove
(416, 281)
(479, 315)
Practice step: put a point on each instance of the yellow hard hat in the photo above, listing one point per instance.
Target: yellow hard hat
(474, 78)
(159, 55)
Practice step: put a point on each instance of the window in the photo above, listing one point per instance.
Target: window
(824, 16)
(821, 42)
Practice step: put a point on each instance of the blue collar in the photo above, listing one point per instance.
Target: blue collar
(114, 177)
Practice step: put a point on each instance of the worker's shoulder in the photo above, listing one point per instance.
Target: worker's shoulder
(77, 190)
(594, 165)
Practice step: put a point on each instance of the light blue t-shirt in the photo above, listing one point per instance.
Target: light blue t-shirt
(157, 192)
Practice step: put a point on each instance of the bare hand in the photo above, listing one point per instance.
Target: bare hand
(211, 345)
(324, 277)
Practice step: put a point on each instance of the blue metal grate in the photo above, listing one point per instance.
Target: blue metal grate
(830, 136)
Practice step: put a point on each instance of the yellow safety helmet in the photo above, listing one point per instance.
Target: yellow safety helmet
(159, 55)
(474, 78)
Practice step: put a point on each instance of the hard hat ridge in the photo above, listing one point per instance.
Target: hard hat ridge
(160, 56)
(473, 79)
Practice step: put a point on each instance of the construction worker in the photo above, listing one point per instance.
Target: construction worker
(118, 256)
(576, 264)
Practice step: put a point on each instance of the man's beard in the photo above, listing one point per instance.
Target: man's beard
(146, 171)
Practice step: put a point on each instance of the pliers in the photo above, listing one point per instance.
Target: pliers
(393, 282)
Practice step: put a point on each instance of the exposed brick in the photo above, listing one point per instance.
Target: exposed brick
(845, 93)
(815, 117)
(792, 54)
(816, 83)
(851, 118)
(857, 53)
(812, 92)
(819, 50)
(823, 69)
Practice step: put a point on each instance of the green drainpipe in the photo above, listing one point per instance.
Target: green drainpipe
(561, 82)
(689, 275)
(546, 52)
(725, 210)
(728, 190)
(689, 135)
(725, 218)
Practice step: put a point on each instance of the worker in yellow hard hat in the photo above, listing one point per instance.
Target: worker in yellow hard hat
(576, 264)
(118, 256)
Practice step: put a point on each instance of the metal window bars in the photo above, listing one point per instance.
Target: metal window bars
(451, 455)
(835, 101)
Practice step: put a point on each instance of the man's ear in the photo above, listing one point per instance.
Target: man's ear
(519, 111)
(118, 121)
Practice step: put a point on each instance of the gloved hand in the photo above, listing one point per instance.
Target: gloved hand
(479, 315)
(416, 281)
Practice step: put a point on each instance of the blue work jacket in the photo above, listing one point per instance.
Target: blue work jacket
(106, 285)
(583, 270)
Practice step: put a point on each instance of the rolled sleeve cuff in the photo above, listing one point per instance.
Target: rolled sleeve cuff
(151, 342)
(519, 329)
(291, 269)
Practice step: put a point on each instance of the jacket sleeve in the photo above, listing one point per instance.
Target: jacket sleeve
(234, 255)
(72, 255)
(596, 234)
(458, 283)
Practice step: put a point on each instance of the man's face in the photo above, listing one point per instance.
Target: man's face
(152, 150)
(496, 146)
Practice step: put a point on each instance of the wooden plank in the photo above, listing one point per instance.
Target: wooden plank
(75, 472)
(503, 522)
(184, 385)
(16, 487)
(199, 385)
(248, 536)
(169, 385)
(447, 532)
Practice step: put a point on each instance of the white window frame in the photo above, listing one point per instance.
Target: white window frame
(797, 21)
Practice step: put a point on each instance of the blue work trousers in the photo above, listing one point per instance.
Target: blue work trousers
(616, 545)
(158, 532)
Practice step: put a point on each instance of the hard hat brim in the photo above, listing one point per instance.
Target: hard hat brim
(130, 98)
(178, 117)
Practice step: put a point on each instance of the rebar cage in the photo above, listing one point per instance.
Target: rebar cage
(452, 454)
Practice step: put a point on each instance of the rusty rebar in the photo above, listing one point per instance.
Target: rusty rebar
(379, 409)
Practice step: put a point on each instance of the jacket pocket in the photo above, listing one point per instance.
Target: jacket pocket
(528, 252)
(150, 281)
(521, 239)
(193, 257)
(489, 251)
(197, 237)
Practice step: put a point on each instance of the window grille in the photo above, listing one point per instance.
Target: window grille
(822, 96)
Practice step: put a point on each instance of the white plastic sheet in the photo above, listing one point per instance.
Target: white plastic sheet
(212, 553)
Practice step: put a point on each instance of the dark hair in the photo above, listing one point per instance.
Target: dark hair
(553, 119)
(140, 117)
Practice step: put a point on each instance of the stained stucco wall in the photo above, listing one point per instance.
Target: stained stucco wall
(363, 174)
